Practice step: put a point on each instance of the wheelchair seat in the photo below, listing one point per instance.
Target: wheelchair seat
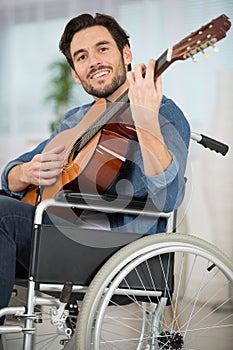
(80, 252)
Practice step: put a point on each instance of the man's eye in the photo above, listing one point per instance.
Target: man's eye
(103, 49)
(81, 58)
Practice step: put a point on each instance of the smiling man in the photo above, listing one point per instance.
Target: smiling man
(99, 54)
(99, 67)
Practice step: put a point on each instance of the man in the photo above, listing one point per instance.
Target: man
(99, 54)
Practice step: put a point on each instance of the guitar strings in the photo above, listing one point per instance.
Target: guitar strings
(112, 110)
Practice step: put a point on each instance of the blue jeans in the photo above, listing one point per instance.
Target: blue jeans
(16, 222)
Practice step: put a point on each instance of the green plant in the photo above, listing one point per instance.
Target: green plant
(60, 89)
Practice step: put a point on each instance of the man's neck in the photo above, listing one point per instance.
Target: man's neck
(116, 94)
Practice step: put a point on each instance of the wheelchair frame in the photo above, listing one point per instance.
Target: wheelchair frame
(70, 200)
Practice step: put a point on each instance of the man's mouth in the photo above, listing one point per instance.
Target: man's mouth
(99, 74)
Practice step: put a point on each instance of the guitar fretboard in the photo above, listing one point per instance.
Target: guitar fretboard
(112, 110)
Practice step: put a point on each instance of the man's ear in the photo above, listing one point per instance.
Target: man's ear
(75, 76)
(127, 55)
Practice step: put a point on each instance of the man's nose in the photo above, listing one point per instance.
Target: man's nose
(94, 59)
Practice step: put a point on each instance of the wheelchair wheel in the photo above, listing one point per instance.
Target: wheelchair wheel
(160, 292)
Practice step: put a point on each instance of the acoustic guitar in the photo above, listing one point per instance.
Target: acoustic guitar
(97, 146)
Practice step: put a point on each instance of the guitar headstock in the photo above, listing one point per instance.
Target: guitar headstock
(201, 39)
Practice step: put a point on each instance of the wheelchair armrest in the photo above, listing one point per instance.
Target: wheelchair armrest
(104, 203)
(97, 199)
(110, 203)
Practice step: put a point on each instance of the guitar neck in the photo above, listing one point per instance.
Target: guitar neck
(113, 110)
(163, 62)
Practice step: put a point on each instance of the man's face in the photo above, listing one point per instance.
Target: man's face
(99, 65)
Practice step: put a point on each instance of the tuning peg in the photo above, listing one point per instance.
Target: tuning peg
(204, 53)
(216, 49)
(195, 60)
(212, 43)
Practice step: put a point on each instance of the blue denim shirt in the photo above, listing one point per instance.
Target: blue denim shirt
(166, 189)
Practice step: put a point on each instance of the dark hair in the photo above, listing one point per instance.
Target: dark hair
(85, 21)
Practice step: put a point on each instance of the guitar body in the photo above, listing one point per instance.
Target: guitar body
(94, 168)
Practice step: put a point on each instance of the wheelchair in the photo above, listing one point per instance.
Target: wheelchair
(121, 290)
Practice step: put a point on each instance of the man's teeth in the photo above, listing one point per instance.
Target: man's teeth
(100, 74)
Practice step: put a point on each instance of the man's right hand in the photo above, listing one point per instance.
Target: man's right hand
(42, 170)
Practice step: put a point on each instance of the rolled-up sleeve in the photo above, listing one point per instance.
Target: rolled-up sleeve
(167, 188)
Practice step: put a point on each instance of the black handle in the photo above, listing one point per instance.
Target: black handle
(213, 145)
